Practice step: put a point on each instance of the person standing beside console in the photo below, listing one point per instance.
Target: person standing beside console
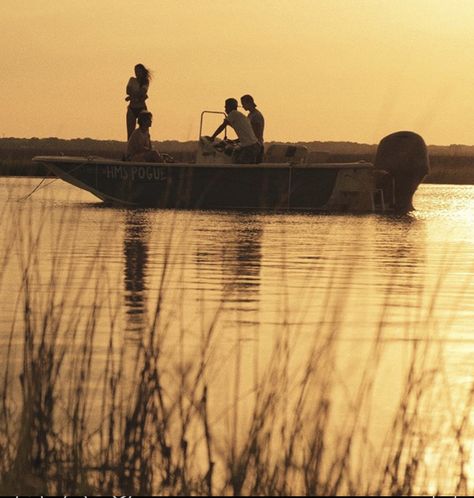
(249, 146)
(256, 120)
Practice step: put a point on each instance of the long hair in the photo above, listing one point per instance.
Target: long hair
(146, 76)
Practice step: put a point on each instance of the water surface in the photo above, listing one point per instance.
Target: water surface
(383, 288)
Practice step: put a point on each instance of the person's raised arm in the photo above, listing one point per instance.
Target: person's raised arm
(220, 129)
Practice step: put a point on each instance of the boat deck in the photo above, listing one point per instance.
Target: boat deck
(110, 162)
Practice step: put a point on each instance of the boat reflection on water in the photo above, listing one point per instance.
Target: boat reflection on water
(401, 241)
(227, 269)
(402, 258)
(229, 283)
(135, 249)
(237, 252)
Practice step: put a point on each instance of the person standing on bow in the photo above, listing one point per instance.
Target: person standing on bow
(249, 146)
(137, 93)
(256, 120)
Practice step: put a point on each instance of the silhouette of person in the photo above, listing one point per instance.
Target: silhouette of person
(139, 145)
(137, 89)
(256, 120)
(249, 145)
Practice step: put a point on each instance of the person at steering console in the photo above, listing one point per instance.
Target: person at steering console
(249, 148)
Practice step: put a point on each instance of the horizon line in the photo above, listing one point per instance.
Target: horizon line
(453, 145)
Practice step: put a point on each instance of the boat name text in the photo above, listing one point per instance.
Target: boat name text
(135, 172)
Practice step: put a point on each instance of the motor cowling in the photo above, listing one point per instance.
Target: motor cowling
(404, 156)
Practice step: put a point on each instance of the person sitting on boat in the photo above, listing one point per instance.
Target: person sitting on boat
(139, 146)
(256, 120)
(249, 146)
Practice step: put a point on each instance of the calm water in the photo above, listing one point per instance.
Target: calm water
(403, 282)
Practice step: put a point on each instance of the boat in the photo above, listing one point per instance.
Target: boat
(291, 178)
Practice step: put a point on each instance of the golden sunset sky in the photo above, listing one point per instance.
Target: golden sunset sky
(352, 70)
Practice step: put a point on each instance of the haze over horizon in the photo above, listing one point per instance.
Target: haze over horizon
(319, 70)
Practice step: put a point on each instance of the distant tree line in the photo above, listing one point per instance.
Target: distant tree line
(449, 164)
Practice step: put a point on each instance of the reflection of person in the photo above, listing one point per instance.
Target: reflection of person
(256, 120)
(249, 146)
(135, 240)
(139, 145)
(137, 89)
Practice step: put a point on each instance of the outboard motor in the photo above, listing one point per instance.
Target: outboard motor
(404, 156)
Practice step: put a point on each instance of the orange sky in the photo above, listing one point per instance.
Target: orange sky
(351, 70)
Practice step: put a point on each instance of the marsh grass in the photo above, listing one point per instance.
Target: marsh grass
(456, 170)
(80, 418)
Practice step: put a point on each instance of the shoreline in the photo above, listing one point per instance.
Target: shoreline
(448, 165)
